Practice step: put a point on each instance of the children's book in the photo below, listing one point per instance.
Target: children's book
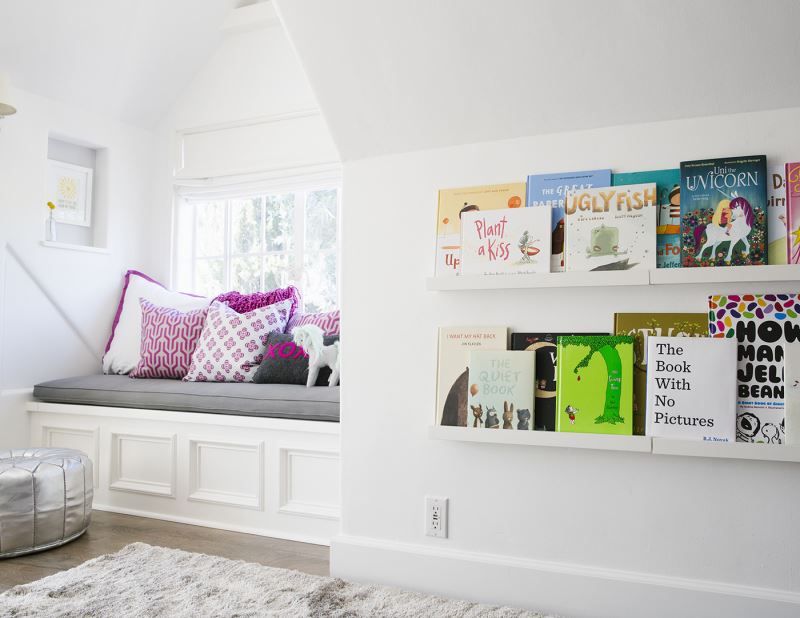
(455, 345)
(505, 241)
(550, 191)
(691, 388)
(453, 203)
(544, 345)
(791, 373)
(594, 385)
(793, 212)
(724, 211)
(611, 228)
(762, 325)
(640, 326)
(501, 390)
(776, 215)
(668, 217)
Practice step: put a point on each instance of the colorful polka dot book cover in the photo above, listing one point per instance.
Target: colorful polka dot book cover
(724, 211)
(763, 326)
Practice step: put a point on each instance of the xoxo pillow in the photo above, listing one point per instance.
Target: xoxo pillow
(287, 363)
(232, 344)
(169, 337)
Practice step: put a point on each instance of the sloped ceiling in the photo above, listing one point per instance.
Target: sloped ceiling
(128, 59)
(398, 76)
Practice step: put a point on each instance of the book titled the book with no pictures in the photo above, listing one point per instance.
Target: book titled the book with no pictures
(691, 388)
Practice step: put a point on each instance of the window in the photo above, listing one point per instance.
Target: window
(262, 241)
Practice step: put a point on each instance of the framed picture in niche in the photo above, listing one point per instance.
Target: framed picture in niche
(69, 187)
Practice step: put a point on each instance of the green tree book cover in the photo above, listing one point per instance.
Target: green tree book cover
(640, 326)
(595, 385)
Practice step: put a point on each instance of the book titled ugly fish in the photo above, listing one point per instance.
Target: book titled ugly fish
(611, 228)
(501, 387)
(550, 191)
(724, 211)
(505, 241)
(668, 217)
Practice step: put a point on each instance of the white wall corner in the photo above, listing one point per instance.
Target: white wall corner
(251, 17)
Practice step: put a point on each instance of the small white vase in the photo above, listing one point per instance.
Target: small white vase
(50, 229)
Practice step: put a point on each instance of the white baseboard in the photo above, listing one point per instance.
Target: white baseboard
(559, 588)
(276, 534)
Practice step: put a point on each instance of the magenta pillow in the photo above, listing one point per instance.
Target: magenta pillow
(169, 337)
(327, 321)
(232, 345)
(242, 303)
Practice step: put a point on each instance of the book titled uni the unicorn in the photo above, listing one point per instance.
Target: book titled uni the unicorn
(724, 211)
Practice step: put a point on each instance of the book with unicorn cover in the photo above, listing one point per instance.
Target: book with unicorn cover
(724, 211)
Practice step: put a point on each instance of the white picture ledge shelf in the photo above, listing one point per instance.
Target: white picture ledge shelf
(640, 444)
(661, 276)
(72, 247)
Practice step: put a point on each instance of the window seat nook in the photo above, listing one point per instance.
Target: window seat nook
(289, 401)
(256, 458)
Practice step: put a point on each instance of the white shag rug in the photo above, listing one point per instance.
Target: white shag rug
(143, 581)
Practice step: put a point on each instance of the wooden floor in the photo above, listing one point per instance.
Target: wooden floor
(110, 532)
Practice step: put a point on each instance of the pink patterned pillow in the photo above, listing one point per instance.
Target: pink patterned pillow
(232, 344)
(242, 303)
(169, 337)
(328, 322)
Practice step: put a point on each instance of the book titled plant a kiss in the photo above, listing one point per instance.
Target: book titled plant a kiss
(691, 388)
(594, 386)
(501, 390)
(724, 211)
(505, 242)
(453, 203)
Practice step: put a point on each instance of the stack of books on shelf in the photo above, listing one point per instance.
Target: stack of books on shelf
(732, 211)
(731, 373)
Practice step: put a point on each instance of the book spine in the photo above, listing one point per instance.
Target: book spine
(792, 180)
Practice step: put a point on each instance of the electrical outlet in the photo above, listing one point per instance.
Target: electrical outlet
(436, 517)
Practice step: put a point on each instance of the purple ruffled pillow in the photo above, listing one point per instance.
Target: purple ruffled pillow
(243, 303)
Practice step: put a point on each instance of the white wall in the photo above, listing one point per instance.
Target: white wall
(574, 531)
(36, 340)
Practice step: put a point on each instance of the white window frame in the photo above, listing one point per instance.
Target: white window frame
(185, 205)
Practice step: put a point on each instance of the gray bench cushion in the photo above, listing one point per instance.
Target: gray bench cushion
(319, 403)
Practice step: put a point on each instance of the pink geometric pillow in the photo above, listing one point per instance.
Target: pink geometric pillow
(169, 338)
(328, 322)
(242, 303)
(232, 344)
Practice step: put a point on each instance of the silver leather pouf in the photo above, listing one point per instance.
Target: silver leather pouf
(45, 498)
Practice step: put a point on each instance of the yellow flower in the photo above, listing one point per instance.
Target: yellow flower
(51, 206)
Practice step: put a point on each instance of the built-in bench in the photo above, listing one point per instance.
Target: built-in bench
(259, 458)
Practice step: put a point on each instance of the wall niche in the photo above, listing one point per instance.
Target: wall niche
(77, 184)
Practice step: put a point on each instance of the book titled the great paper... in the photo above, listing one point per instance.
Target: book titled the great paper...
(505, 241)
(611, 228)
(455, 345)
(501, 390)
(453, 203)
(691, 388)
